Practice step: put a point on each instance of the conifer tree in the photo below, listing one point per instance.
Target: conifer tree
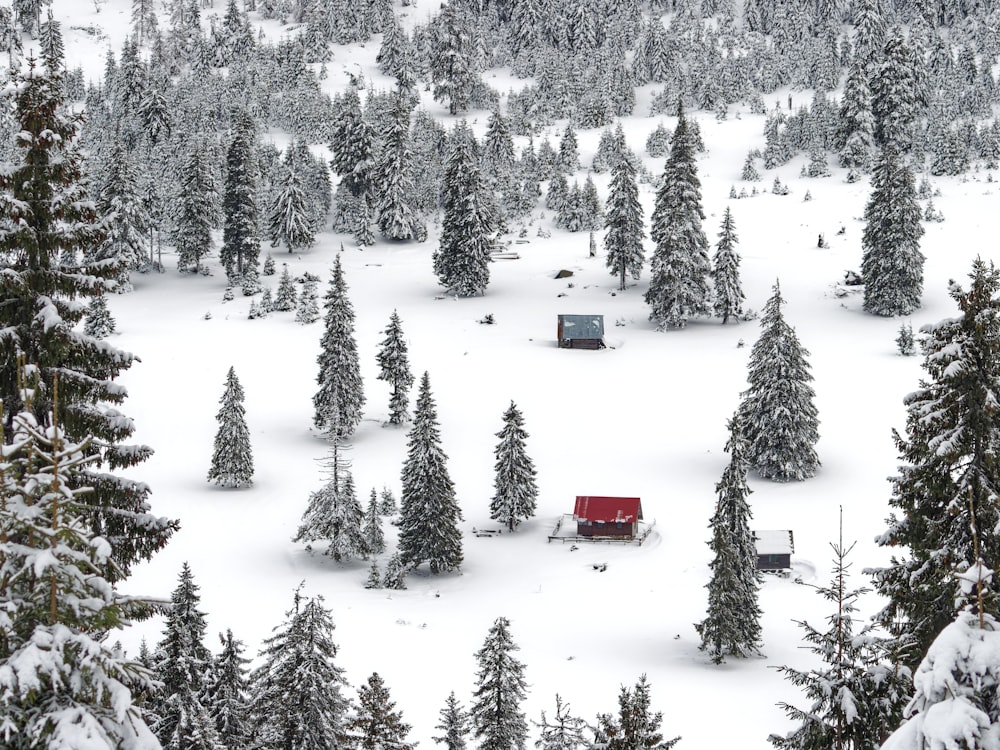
(498, 723)
(454, 724)
(856, 131)
(515, 491)
(623, 219)
(377, 725)
(333, 514)
(45, 212)
(892, 265)
(196, 210)
(285, 298)
(99, 322)
(564, 732)
(856, 696)
(394, 368)
(569, 156)
(307, 309)
(371, 532)
(126, 219)
(452, 61)
(298, 699)
(339, 378)
(729, 295)
(944, 489)
(394, 577)
(241, 220)
(228, 692)
(290, 216)
(679, 286)
(498, 149)
(894, 94)
(393, 176)
(732, 627)
(232, 460)
(429, 512)
(635, 726)
(777, 412)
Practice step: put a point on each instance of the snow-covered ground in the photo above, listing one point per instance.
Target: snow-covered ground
(645, 417)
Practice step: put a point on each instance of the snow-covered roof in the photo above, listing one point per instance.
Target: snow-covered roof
(774, 542)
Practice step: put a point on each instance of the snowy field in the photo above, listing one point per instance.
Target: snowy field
(645, 417)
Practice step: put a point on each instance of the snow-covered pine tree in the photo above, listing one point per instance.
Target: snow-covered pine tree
(452, 57)
(856, 129)
(777, 412)
(569, 154)
(732, 627)
(462, 259)
(307, 308)
(394, 368)
(892, 264)
(856, 696)
(285, 298)
(240, 216)
(429, 512)
(57, 671)
(127, 220)
(376, 724)
(387, 502)
(894, 94)
(680, 283)
(371, 532)
(635, 726)
(196, 208)
(454, 724)
(392, 177)
(497, 720)
(45, 211)
(623, 219)
(99, 322)
(291, 215)
(515, 491)
(394, 577)
(563, 732)
(227, 693)
(729, 295)
(232, 459)
(944, 488)
(374, 580)
(297, 692)
(339, 378)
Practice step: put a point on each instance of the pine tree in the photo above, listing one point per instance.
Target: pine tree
(307, 310)
(452, 62)
(394, 368)
(623, 219)
(497, 720)
(228, 692)
(290, 215)
(894, 94)
(462, 259)
(196, 210)
(944, 489)
(58, 674)
(856, 131)
(429, 515)
(394, 577)
(377, 726)
(564, 732)
(232, 460)
(371, 532)
(729, 295)
(777, 412)
(393, 176)
(333, 514)
(892, 264)
(240, 225)
(679, 287)
(45, 212)
(298, 699)
(515, 492)
(127, 220)
(732, 627)
(856, 697)
(99, 323)
(569, 156)
(387, 502)
(286, 298)
(635, 726)
(454, 724)
(339, 377)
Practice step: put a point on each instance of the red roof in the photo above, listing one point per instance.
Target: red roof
(608, 509)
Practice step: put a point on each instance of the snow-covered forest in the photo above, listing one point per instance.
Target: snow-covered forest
(290, 444)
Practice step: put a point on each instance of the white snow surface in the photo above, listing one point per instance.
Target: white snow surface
(645, 417)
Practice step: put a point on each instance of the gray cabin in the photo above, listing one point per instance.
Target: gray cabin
(774, 550)
(581, 332)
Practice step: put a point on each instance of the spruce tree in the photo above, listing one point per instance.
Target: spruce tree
(394, 577)
(333, 514)
(298, 699)
(892, 265)
(945, 487)
(563, 732)
(232, 459)
(285, 298)
(635, 726)
(240, 223)
(291, 221)
(371, 531)
(126, 219)
(732, 627)
(393, 176)
(623, 219)
(377, 725)
(394, 368)
(307, 309)
(729, 295)
(454, 725)
(894, 94)
(196, 210)
(777, 412)
(228, 692)
(498, 723)
(515, 491)
(339, 378)
(679, 286)
(429, 512)
(99, 322)
(45, 212)
(452, 57)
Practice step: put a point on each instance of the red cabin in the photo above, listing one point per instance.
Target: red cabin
(607, 516)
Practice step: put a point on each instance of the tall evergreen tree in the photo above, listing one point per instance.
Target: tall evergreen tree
(307, 307)
(454, 724)
(497, 720)
(241, 220)
(44, 213)
(339, 378)
(429, 512)
(232, 460)
(895, 95)
(729, 295)
(290, 215)
(298, 699)
(515, 491)
(452, 58)
(394, 368)
(285, 298)
(680, 285)
(228, 692)
(126, 219)
(623, 219)
(196, 210)
(856, 130)
(377, 725)
(946, 486)
(371, 532)
(892, 265)
(733, 624)
(393, 175)
(777, 412)
(635, 726)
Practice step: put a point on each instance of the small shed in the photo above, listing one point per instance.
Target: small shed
(774, 550)
(580, 332)
(607, 516)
